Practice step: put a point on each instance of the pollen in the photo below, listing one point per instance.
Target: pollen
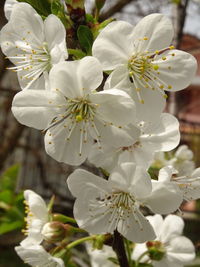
(164, 58)
(156, 67)
(145, 38)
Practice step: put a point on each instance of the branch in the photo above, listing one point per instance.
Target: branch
(114, 9)
(118, 247)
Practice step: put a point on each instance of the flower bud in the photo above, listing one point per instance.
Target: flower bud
(54, 231)
(156, 250)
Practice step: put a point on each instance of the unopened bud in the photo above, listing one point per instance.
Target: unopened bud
(156, 250)
(54, 232)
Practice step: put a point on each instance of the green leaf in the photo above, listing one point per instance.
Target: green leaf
(43, 7)
(8, 227)
(7, 196)
(85, 38)
(77, 53)
(8, 178)
(57, 8)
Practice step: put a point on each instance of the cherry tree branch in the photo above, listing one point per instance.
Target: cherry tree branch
(118, 247)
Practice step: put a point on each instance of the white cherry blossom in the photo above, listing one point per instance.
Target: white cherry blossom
(146, 140)
(33, 45)
(37, 217)
(73, 113)
(189, 185)
(143, 61)
(37, 256)
(177, 249)
(103, 206)
(182, 161)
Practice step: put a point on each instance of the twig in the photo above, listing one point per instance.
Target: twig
(114, 9)
(118, 247)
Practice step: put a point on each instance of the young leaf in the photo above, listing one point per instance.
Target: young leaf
(76, 53)
(85, 38)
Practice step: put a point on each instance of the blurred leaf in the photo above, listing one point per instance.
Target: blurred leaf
(85, 38)
(43, 7)
(8, 178)
(10, 226)
(7, 196)
(99, 27)
(99, 4)
(77, 53)
(177, 2)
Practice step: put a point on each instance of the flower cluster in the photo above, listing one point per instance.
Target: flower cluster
(105, 107)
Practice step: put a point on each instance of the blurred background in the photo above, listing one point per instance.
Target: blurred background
(23, 161)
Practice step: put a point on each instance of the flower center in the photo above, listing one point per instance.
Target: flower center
(156, 250)
(144, 71)
(32, 62)
(78, 112)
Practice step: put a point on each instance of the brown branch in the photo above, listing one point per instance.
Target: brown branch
(114, 9)
(118, 247)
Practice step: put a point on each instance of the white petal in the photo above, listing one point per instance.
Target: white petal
(156, 221)
(165, 198)
(165, 174)
(183, 67)
(136, 228)
(131, 178)
(36, 108)
(113, 45)
(55, 32)
(73, 151)
(115, 106)
(8, 7)
(181, 250)
(37, 256)
(38, 84)
(163, 135)
(80, 179)
(172, 226)
(76, 78)
(36, 204)
(148, 111)
(34, 233)
(27, 23)
(157, 28)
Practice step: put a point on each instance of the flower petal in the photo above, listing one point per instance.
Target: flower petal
(165, 198)
(75, 78)
(113, 46)
(131, 178)
(55, 32)
(38, 256)
(156, 221)
(29, 105)
(115, 106)
(172, 226)
(137, 228)
(71, 151)
(158, 30)
(164, 135)
(80, 180)
(181, 250)
(148, 111)
(27, 23)
(177, 70)
(8, 6)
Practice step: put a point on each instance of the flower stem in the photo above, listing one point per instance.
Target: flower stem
(79, 241)
(118, 247)
(140, 257)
